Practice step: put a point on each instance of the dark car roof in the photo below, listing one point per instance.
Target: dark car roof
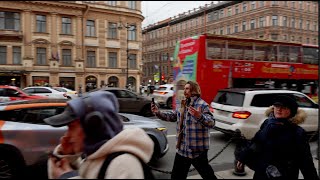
(242, 90)
(32, 101)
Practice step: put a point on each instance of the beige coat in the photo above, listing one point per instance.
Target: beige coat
(125, 166)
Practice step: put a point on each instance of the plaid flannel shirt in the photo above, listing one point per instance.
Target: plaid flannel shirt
(195, 131)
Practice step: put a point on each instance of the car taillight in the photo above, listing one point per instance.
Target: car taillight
(163, 93)
(241, 114)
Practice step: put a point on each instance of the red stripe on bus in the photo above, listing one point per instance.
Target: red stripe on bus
(1, 136)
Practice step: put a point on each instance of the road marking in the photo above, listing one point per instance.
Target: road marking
(214, 132)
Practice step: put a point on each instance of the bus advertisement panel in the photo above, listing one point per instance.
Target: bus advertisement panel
(218, 62)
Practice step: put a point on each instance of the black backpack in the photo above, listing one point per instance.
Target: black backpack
(146, 169)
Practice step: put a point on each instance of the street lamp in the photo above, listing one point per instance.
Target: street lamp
(127, 26)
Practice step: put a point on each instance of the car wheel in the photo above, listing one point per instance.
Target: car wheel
(156, 150)
(169, 103)
(12, 164)
(146, 111)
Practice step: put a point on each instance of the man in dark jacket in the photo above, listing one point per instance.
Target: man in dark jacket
(281, 145)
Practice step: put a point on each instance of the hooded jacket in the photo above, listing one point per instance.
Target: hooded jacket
(283, 144)
(125, 166)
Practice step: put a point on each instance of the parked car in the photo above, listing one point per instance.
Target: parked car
(163, 95)
(12, 93)
(25, 139)
(244, 109)
(70, 93)
(130, 102)
(45, 91)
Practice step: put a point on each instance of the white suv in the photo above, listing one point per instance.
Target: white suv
(45, 91)
(163, 95)
(244, 109)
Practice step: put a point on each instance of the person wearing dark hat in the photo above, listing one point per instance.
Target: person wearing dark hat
(281, 145)
(95, 131)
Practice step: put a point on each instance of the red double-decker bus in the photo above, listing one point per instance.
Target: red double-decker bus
(217, 62)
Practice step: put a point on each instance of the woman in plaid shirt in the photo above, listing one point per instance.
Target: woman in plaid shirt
(194, 120)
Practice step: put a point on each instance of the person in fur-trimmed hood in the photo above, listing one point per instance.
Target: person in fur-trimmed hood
(95, 131)
(281, 144)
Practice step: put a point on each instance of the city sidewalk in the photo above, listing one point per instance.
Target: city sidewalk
(228, 174)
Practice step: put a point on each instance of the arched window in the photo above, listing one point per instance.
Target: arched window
(113, 81)
(91, 83)
(133, 82)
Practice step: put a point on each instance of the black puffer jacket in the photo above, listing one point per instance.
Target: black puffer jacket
(284, 144)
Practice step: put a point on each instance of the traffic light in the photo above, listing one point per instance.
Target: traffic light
(162, 77)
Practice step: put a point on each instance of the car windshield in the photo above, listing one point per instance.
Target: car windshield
(229, 98)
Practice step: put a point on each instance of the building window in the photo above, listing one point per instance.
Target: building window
(308, 40)
(252, 25)
(274, 20)
(113, 60)
(292, 38)
(308, 6)
(300, 5)
(261, 3)
(300, 23)
(91, 31)
(284, 21)
(132, 33)
(253, 5)
(91, 59)
(221, 13)
(236, 27)
(229, 11)
(132, 4)
(221, 31)
(261, 22)
(215, 16)
(66, 25)
(274, 36)
(3, 55)
(112, 3)
(244, 7)
(133, 61)
(273, 3)
(244, 25)
(314, 41)
(315, 7)
(112, 30)
(285, 3)
(293, 4)
(9, 20)
(300, 39)
(285, 37)
(228, 30)
(16, 54)
(308, 25)
(41, 23)
(315, 25)
(293, 22)
(41, 56)
(66, 57)
(237, 9)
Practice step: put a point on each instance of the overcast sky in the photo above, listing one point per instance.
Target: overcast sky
(154, 11)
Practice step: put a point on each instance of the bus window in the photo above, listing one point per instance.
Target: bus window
(240, 50)
(284, 53)
(294, 54)
(310, 55)
(265, 52)
(216, 49)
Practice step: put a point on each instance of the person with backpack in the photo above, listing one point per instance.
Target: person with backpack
(280, 148)
(95, 145)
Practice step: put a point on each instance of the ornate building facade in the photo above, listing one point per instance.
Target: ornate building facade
(290, 21)
(86, 44)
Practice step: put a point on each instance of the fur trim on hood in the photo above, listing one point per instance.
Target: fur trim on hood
(299, 118)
